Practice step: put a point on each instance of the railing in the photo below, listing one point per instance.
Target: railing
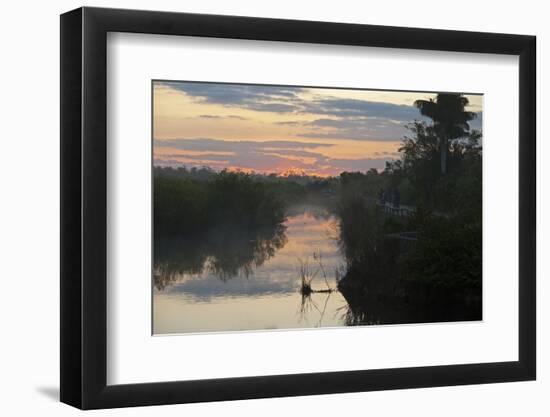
(393, 210)
(410, 236)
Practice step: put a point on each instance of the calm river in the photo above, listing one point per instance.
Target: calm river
(251, 282)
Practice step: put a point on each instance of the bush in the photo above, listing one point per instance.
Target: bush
(447, 254)
(183, 206)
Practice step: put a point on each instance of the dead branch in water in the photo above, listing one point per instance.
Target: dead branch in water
(319, 258)
(307, 275)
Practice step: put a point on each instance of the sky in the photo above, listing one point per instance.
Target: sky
(281, 129)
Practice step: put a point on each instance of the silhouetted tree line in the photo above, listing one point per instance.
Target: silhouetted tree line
(193, 200)
(445, 260)
(184, 206)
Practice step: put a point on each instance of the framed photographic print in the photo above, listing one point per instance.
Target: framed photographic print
(257, 207)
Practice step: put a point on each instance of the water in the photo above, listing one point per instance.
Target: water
(235, 280)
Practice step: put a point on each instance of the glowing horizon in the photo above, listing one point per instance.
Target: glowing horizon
(281, 129)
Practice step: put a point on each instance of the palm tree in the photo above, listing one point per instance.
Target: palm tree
(450, 120)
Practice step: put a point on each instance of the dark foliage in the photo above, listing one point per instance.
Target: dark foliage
(446, 248)
(185, 206)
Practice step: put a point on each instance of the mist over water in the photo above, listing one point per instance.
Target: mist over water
(250, 280)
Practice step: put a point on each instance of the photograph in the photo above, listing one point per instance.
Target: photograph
(281, 207)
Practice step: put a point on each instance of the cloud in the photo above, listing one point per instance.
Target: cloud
(289, 123)
(363, 164)
(209, 144)
(356, 128)
(290, 100)
(208, 287)
(335, 118)
(477, 123)
(218, 117)
(210, 116)
(254, 97)
(269, 156)
(339, 107)
(258, 156)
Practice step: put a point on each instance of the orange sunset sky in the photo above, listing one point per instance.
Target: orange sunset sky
(278, 129)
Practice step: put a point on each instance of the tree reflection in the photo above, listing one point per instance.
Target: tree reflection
(225, 253)
(418, 305)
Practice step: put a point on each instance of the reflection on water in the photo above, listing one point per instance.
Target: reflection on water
(224, 254)
(294, 275)
(250, 280)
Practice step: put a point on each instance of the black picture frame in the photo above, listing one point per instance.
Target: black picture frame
(84, 207)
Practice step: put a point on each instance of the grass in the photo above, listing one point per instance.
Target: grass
(309, 273)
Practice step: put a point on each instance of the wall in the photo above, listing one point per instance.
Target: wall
(29, 176)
